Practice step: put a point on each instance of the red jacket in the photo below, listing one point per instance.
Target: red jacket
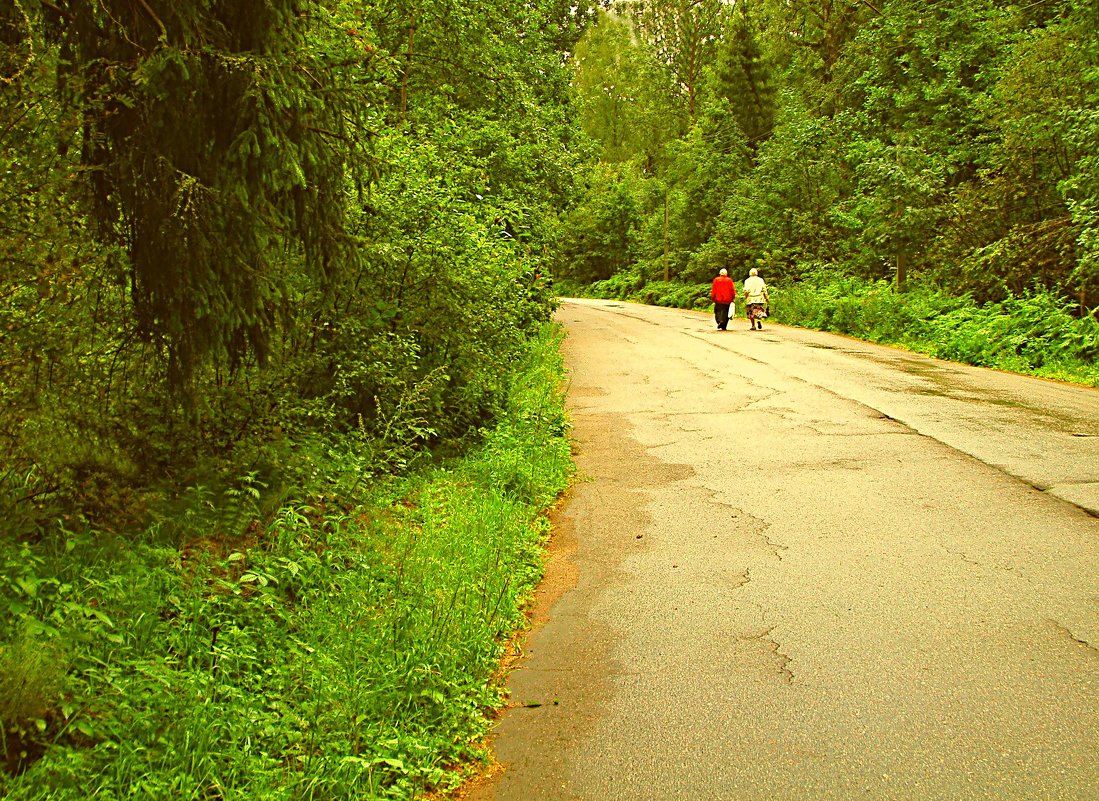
(723, 290)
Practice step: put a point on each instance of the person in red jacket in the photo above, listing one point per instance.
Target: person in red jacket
(722, 293)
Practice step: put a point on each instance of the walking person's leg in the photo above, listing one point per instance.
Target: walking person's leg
(721, 315)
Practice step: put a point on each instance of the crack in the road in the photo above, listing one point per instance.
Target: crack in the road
(767, 639)
(964, 557)
(906, 433)
(756, 527)
(1067, 632)
(778, 412)
(831, 464)
(693, 367)
(774, 547)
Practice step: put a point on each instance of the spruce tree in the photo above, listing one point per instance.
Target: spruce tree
(214, 148)
(742, 79)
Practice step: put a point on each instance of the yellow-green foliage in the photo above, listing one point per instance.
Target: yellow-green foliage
(346, 647)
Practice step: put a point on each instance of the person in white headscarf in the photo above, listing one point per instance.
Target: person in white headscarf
(756, 297)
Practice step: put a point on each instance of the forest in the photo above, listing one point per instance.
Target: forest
(279, 407)
(280, 394)
(922, 173)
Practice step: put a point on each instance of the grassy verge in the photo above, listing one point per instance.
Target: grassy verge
(1035, 335)
(335, 651)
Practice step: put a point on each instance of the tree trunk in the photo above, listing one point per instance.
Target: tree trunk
(667, 268)
(407, 68)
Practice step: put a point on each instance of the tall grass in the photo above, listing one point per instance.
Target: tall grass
(336, 651)
(1037, 334)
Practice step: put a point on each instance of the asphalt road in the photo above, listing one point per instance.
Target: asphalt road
(802, 567)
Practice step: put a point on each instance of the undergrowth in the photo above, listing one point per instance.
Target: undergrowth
(1036, 334)
(332, 650)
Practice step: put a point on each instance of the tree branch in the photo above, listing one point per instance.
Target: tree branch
(30, 48)
(156, 19)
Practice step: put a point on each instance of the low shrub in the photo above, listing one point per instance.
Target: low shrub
(1036, 334)
(653, 293)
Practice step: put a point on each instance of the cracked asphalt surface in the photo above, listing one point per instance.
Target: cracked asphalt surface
(798, 566)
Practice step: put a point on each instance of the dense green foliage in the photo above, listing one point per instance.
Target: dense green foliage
(950, 143)
(269, 267)
(1035, 334)
(334, 649)
(234, 231)
(262, 264)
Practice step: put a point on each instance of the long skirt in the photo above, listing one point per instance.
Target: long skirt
(756, 311)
